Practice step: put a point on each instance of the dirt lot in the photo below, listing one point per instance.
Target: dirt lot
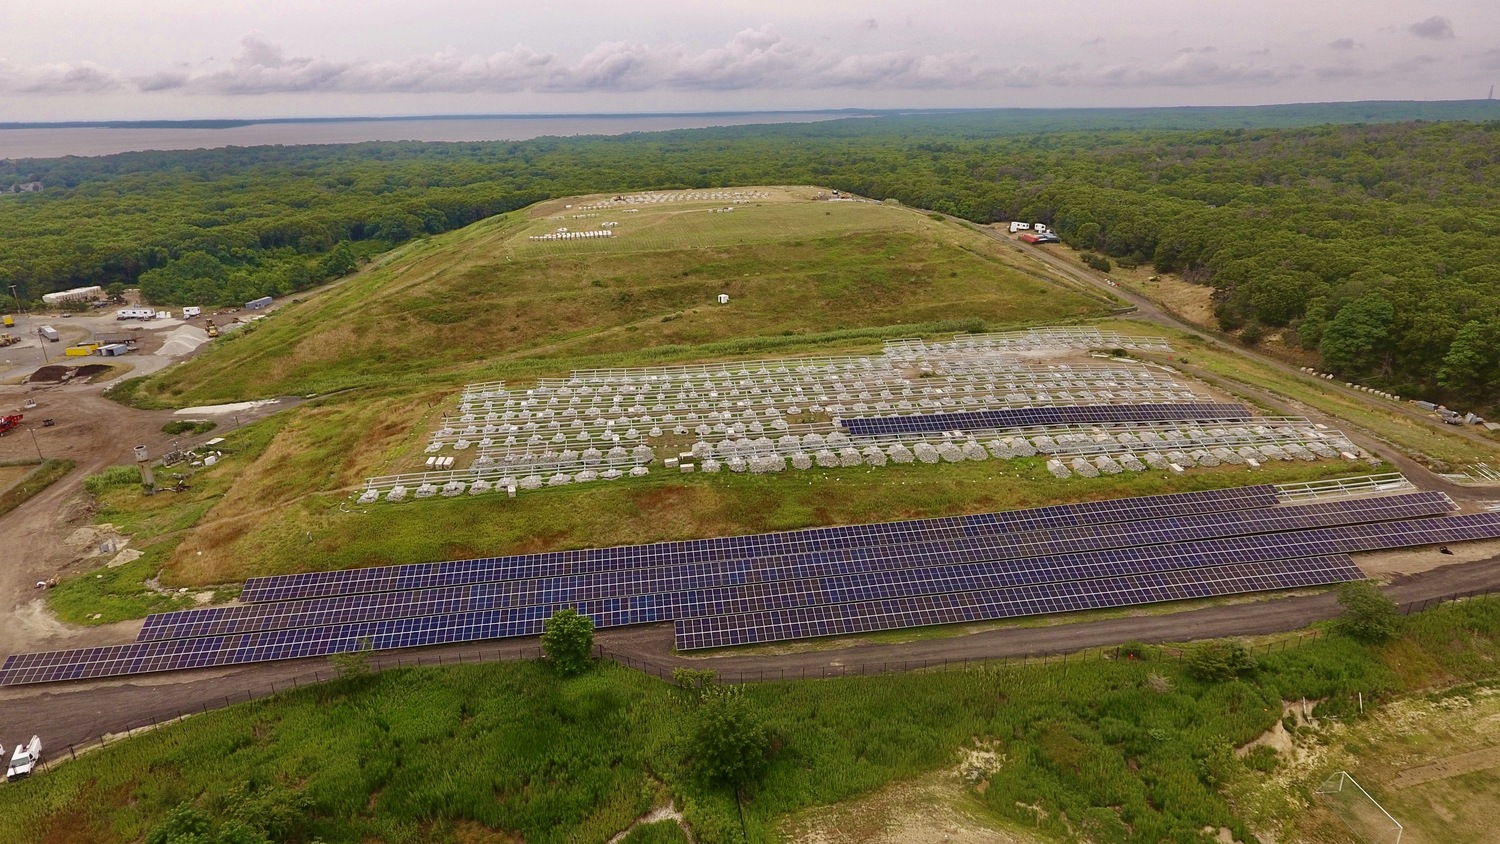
(95, 433)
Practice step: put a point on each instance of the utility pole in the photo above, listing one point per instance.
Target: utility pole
(37, 444)
(42, 341)
(15, 296)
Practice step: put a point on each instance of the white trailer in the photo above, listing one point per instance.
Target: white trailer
(49, 333)
(1019, 227)
(24, 760)
(135, 313)
(191, 311)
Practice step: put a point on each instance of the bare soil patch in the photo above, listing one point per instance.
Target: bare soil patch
(935, 809)
(1451, 766)
(1384, 565)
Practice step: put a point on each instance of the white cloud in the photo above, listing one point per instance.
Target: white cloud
(78, 78)
(752, 62)
(1437, 28)
(754, 59)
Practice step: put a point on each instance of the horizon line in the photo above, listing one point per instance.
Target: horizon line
(237, 122)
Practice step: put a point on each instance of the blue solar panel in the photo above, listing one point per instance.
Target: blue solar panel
(460, 572)
(934, 423)
(989, 605)
(1209, 567)
(833, 562)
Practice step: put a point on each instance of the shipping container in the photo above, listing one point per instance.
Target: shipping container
(256, 304)
(49, 332)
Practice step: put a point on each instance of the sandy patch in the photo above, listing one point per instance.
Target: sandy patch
(129, 555)
(1385, 564)
(220, 409)
(183, 341)
(935, 809)
(1278, 739)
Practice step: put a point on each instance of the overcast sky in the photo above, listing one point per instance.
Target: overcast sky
(126, 59)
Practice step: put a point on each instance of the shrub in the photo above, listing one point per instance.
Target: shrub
(568, 641)
(1096, 262)
(1263, 759)
(111, 478)
(1368, 615)
(189, 426)
(730, 740)
(1216, 661)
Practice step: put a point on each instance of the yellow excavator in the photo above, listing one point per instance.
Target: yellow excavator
(213, 330)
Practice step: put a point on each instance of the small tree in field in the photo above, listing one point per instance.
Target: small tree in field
(730, 742)
(568, 641)
(1368, 615)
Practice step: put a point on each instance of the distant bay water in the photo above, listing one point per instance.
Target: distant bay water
(53, 141)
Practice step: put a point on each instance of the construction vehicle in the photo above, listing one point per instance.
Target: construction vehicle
(24, 760)
(208, 326)
(8, 422)
(9, 339)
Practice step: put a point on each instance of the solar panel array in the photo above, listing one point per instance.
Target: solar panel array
(773, 587)
(961, 551)
(1035, 416)
(423, 575)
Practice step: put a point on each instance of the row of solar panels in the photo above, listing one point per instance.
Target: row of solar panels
(871, 426)
(762, 573)
(723, 600)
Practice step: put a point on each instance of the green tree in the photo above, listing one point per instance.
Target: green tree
(340, 261)
(1359, 335)
(1472, 365)
(568, 641)
(1367, 615)
(730, 742)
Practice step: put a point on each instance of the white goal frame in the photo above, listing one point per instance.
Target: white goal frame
(1335, 785)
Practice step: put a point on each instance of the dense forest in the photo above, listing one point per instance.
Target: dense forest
(1376, 244)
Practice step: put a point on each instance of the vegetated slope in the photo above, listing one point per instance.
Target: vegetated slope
(488, 302)
(1105, 750)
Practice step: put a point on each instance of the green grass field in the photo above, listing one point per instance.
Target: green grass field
(1118, 751)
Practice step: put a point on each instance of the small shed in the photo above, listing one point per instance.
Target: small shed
(723, 298)
(113, 350)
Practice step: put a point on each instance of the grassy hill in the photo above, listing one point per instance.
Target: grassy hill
(387, 348)
(487, 302)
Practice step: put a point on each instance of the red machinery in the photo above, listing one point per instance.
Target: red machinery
(8, 422)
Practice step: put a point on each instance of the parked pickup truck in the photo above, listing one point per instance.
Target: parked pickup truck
(24, 760)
